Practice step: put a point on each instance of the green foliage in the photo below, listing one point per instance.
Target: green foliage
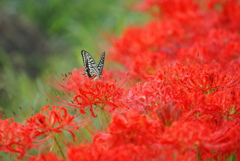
(70, 26)
(20, 95)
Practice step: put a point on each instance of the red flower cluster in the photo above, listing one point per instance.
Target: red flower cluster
(184, 30)
(181, 100)
(133, 136)
(45, 157)
(14, 137)
(89, 95)
(54, 121)
(37, 130)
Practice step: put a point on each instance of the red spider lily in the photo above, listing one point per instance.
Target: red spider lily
(146, 49)
(84, 152)
(183, 139)
(228, 11)
(51, 120)
(146, 97)
(130, 136)
(207, 79)
(221, 13)
(73, 81)
(197, 138)
(186, 107)
(130, 127)
(205, 88)
(14, 137)
(45, 157)
(176, 9)
(187, 33)
(168, 114)
(87, 94)
(219, 45)
(100, 94)
(222, 142)
(142, 50)
(139, 137)
(117, 153)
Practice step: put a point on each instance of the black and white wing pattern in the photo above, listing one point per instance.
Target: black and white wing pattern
(101, 63)
(90, 67)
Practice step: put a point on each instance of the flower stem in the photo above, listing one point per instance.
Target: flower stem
(59, 147)
(103, 111)
(105, 115)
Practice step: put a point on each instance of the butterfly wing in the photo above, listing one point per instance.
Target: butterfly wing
(101, 63)
(90, 66)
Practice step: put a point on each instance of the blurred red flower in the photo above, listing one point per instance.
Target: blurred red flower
(45, 157)
(14, 137)
(51, 120)
(87, 95)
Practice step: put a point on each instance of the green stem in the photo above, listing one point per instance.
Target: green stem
(103, 111)
(105, 115)
(59, 147)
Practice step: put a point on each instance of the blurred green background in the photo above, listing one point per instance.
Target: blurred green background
(42, 38)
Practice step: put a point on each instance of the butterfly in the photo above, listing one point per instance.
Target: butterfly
(90, 67)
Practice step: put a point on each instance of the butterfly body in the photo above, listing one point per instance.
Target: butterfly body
(90, 67)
